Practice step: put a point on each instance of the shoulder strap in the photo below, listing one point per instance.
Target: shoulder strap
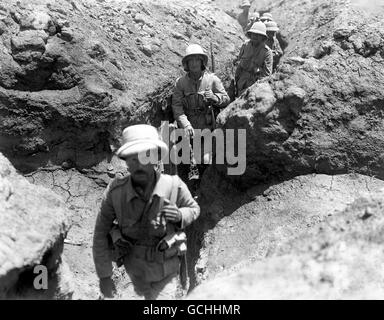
(174, 190)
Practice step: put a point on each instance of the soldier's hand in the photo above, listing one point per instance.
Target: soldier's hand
(171, 212)
(257, 73)
(107, 287)
(189, 131)
(210, 96)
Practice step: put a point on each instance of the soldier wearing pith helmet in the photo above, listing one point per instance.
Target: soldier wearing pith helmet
(266, 17)
(141, 220)
(273, 43)
(254, 17)
(255, 59)
(195, 91)
(243, 17)
(197, 96)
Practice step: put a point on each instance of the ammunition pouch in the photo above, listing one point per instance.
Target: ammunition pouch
(152, 254)
(173, 243)
(208, 117)
(121, 247)
(177, 242)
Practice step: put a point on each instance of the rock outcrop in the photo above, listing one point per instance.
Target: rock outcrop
(340, 258)
(322, 111)
(33, 224)
(82, 192)
(238, 227)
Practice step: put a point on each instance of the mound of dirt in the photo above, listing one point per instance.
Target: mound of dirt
(322, 111)
(33, 225)
(340, 258)
(73, 73)
(264, 217)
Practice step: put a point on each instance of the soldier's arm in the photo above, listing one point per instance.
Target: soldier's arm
(104, 222)
(188, 207)
(219, 91)
(278, 49)
(268, 64)
(177, 106)
(249, 26)
(237, 59)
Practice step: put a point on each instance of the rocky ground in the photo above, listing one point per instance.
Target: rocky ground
(34, 222)
(339, 258)
(74, 73)
(321, 112)
(252, 226)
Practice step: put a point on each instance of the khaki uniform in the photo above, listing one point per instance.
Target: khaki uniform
(245, 3)
(188, 105)
(274, 45)
(141, 223)
(242, 18)
(250, 24)
(189, 108)
(255, 62)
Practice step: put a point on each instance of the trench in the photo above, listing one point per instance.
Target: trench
(161, 102)
(20, 283)
(156, 107)
(80, 165)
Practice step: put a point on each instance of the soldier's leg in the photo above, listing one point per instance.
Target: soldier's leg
(242, 82)
(142, 288)
(166, 289)
(141, 272)
(182, 168)
(182, 171)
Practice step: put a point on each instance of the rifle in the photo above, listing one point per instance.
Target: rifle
(213, 124)
(184, 279)
(233, 83)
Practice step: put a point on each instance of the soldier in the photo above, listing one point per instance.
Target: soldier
(254, 17)
(196, 96)
(143, 215)
(255, 58)
(266, 17)
(243, 16)
(273, 42)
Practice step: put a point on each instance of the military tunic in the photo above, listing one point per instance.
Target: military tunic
(188, 105)
(255, 62)
(140, 220)
(274, 45)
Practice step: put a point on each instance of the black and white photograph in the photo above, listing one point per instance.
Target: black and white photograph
(202, 151)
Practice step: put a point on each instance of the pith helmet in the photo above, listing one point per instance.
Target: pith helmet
(272, 26)
(258, 28)
(194, 49)
(266, 17)
(140, 138)
(254, 15)
(245, 4)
